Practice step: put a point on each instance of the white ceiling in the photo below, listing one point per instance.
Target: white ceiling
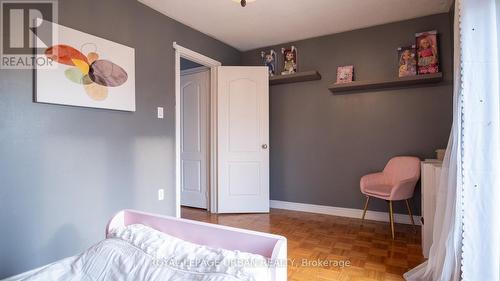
(269, 22)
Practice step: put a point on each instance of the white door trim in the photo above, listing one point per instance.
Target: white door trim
(212, 64)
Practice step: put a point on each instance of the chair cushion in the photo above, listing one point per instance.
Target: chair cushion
(382, 191)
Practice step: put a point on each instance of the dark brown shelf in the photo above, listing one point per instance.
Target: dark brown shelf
(294, 78)
(379, 84)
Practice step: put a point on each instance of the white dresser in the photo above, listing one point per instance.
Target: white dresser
(431, 170)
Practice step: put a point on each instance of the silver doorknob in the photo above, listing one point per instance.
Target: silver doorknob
(264, 146)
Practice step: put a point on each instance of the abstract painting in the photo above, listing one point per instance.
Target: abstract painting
(86, 71)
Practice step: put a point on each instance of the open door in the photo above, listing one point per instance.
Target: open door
(243, 139)
(195, 94)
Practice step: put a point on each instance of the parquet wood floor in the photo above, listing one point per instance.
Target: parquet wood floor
(368, 247)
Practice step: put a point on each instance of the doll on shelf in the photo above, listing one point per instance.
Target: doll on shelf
(427, 53)
(407, 61)
(290, 60)
(269, 60)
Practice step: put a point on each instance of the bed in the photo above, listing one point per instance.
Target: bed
(144, 246)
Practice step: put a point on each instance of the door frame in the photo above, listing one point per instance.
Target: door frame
(182, 52)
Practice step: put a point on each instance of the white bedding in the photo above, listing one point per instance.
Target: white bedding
(138, 252)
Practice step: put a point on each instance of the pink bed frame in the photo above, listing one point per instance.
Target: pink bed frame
(270, 246)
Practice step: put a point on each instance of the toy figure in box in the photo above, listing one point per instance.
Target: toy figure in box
(269, 60)
(407, 61)
(345, 74)
(290, 58)
(427, 52)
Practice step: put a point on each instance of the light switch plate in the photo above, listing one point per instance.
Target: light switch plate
(161, 194)
(160, 112)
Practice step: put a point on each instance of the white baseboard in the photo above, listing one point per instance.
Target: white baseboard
(343, 212)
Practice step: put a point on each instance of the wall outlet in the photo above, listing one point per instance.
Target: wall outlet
(161, 194)
(160, 112)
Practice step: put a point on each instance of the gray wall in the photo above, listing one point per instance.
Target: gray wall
(187, 64)
(321, 144)
(64, 171)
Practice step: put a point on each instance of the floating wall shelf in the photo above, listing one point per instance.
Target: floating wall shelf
(380, 84)
(294, 78)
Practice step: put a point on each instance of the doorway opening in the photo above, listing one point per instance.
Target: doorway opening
(195, 110)
(195, 146)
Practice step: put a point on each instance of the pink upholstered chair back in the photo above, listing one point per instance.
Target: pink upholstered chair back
(402, 168)
(404, 172)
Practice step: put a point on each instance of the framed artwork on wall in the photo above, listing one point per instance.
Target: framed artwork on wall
(86, 71)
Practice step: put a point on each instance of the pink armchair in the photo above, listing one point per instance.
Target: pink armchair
(396, 182)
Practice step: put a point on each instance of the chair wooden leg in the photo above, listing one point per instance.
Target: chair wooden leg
(366, 207)
(409, 213)
(391, 218)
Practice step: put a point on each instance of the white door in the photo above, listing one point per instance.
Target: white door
(194, 138)
(243, 139)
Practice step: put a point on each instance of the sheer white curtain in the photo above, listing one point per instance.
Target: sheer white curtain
(481, 141)
(444, 257)
(467, 221)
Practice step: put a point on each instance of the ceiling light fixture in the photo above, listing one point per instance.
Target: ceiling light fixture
(243, 2)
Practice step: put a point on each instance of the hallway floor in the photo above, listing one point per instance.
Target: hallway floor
(366, 251)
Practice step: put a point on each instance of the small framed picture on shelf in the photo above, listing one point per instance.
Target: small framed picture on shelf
(345, 74)
(289, 60)
(427, 52)
(270, 60)
(407, 61)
